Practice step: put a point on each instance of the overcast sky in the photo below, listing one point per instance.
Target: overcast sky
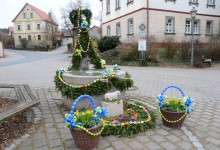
(10, 8)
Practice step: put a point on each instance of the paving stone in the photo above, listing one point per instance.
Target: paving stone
(50, 130)
(158, 138)
(26, 148)
(213, 140)
(109, 148)
(67, 136)
(149, 133)
(212, 147)
(135, 145)
(184, 145)
(168, 145)
(57, 148)
(197, 145)
(27, 142)
(162, 132)
(69, 144)
(103, 144)
(40, 143)
(55, 143)
(119, 144)
(142, 139)
(64, 130)
(39, 136)
(112, 138)
(52, 136)
(59, 120)
(173, 138)
(152, 146)
(42, 148)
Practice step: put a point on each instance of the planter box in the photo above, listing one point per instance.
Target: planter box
(114, 109)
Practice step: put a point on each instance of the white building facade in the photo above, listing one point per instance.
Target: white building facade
(161, 18)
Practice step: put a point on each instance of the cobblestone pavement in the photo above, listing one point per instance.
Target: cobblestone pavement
(201, 129)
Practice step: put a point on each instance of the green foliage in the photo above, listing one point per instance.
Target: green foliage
(108, 42)
(73, 16)
(131, 129)
(23, 42)
(95, 88)
(94, 56)
(85, 116)
(174, 104)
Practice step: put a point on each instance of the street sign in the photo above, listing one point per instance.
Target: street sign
(142, 27)
(142, 45)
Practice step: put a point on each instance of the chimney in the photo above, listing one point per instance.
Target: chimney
(49, 14)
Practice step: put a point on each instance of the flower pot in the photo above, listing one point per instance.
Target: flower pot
(173, 119)
(83, 140)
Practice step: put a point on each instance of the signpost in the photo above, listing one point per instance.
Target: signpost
(142, 42)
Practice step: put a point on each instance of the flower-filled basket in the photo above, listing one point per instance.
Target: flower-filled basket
(85, 125)
(173, 110)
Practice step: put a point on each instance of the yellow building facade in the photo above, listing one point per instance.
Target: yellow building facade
(35, 25)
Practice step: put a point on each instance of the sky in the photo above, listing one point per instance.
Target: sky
(10, 8)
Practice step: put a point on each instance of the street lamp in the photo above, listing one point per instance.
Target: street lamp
(193, 16)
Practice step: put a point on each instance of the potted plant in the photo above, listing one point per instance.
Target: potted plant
(173, 110)
(85, 125)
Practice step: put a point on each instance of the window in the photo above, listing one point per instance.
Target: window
(193, 1)
(211, 2)
(108, 7)
(29, 37)
(209, 27)
(118, 29)
(188, 26)
(130, 26)
(24, 15)
(169, 25)
(38, 26)
(19, 37)
(31, 15)
(19, 27)
(28, 26)
(117, 4)
(188, 29)
(108, 31)
(129, 1)
(39, 37)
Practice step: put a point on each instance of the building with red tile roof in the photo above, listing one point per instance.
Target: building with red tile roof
(35, 25)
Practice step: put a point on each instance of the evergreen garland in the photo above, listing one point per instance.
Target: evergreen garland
(95, 88)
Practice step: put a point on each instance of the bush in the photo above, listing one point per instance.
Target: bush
(170, 47)
(184, 48)
(213, 50)
(108, 42)
(24, 42)
(152, 43)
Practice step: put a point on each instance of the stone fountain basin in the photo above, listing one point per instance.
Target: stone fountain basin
(86, 77)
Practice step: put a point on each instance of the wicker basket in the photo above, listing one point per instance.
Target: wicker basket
(173, 116)
(173, 119)
(81, 136)
(83, 140)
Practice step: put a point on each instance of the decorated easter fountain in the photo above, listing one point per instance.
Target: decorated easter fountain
(79, 78)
